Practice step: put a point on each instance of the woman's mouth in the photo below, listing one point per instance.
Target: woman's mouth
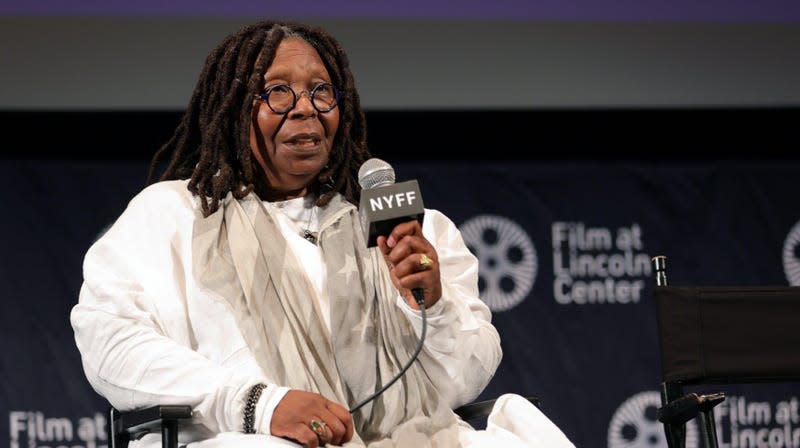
(302, 141)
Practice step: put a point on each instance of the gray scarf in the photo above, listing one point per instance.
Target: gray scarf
(240, 254)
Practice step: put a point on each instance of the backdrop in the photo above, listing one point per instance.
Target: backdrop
(565, 251)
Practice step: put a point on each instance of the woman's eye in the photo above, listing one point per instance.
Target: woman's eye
(324, 90)
(280, 89)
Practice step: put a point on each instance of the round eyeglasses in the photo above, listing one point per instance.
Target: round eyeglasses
(281, 98)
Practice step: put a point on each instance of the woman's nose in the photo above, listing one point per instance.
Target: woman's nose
(303, 105)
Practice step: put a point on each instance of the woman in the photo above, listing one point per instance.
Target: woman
(240, 282)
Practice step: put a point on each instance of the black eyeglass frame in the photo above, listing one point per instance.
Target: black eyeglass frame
(338, 95)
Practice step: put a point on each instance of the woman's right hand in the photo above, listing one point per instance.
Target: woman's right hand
(294, 413)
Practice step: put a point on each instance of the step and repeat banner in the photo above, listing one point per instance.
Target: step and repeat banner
(564, 249)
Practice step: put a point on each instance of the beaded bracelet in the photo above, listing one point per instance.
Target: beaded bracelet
(250, 407)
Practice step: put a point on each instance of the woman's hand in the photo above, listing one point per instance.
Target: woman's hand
(294, 414)
(413, 262)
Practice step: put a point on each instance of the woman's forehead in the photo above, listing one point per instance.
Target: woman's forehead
(293, 54)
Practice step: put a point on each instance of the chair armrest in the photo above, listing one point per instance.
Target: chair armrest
(124, 425)
(683, 409)
(130, 420)
(479, 409)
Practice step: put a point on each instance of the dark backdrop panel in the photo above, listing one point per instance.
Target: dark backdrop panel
(592, 357)
(603, 135)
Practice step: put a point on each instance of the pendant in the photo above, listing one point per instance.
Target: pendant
(309, 235)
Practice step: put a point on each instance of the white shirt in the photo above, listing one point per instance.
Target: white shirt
(149, 334)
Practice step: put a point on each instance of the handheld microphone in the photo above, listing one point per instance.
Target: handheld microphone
(383, 205)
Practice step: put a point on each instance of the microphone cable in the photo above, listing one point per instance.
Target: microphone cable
(420, 299)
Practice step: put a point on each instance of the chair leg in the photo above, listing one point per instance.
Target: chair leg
(706, 418)
(709, 433)
(675, 434)
(169, 434)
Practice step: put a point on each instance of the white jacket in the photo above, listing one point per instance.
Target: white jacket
(148, 334)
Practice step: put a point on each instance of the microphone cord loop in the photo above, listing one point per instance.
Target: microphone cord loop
(420, 299)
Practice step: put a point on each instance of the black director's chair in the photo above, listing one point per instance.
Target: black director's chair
(718, 335)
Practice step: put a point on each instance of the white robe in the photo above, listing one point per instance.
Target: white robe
(148, 334)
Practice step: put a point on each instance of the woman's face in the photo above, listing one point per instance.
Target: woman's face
(292, 148)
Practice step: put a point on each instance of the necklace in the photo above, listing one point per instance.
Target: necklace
(306, 233)
(294, 210)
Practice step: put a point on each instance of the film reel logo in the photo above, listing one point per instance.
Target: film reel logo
(791, 255)
(508, 263)
(635, 424)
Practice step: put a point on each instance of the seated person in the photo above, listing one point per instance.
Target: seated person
(239, 282)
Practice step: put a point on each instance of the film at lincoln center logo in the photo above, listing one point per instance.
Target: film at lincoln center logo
(791, 255)
(598, 264)
(508, 263)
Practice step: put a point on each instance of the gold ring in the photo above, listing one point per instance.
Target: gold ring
(424, 262)
(319, 428)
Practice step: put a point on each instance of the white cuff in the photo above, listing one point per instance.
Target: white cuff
(266, 405)
(443, 323)
(435, 311)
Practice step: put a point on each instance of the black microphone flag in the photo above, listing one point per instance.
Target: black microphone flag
(382, 208)
(384, 204)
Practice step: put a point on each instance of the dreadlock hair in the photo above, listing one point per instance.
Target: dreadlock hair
(211, 145)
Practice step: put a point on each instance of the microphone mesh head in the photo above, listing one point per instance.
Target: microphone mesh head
(375, 173)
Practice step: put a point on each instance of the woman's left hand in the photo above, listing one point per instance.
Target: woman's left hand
(413, 262)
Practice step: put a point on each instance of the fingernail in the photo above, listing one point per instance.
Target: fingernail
(390, 241)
